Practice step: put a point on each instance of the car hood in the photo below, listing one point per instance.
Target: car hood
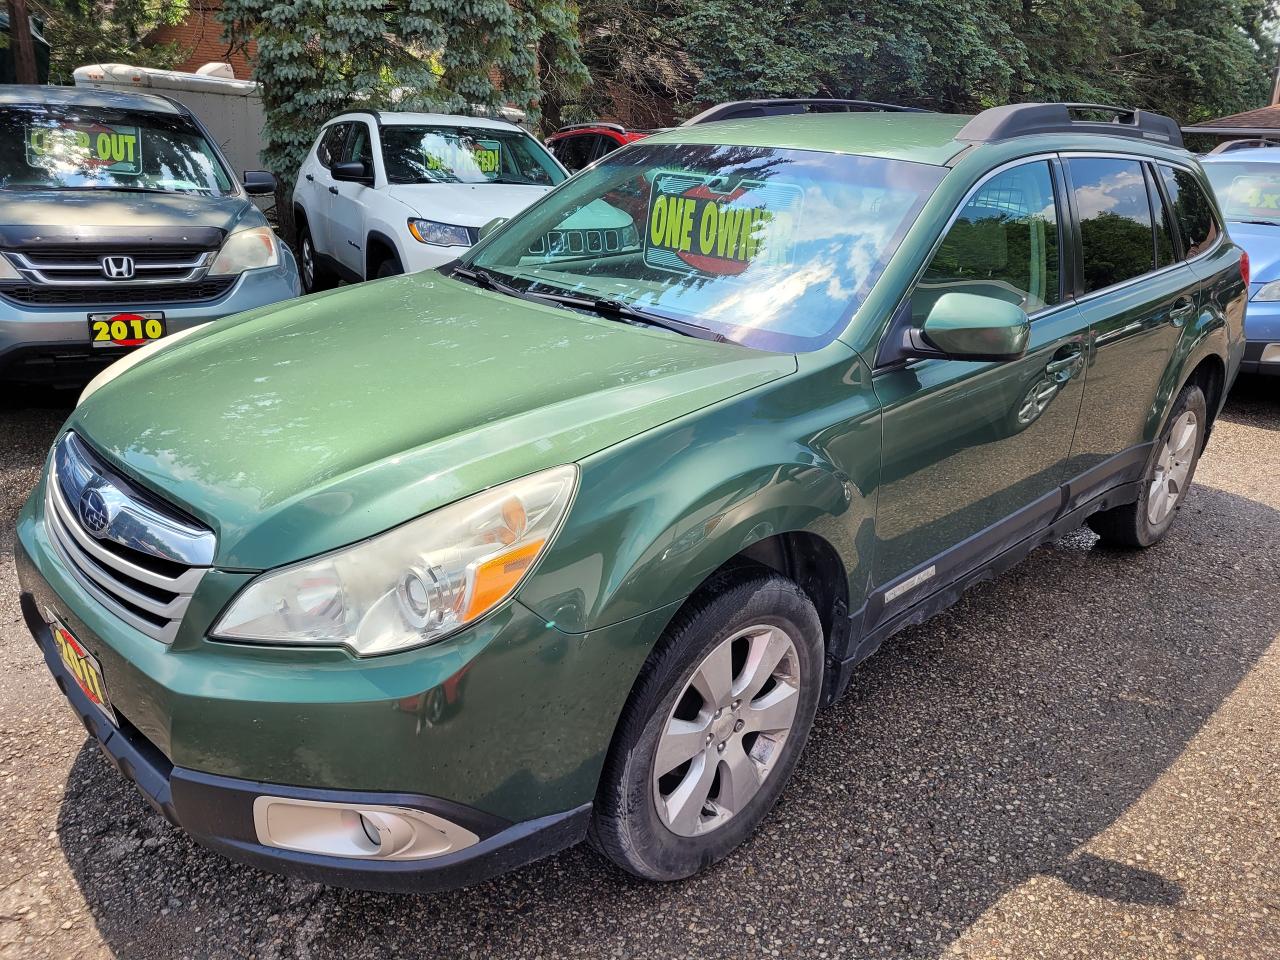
(466, 204)
(304, 426)
(87, 213)
(1262, 242)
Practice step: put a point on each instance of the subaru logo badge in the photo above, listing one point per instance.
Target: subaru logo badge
(93, 511)
(117, 268)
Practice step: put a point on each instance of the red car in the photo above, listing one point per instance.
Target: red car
(579, 144)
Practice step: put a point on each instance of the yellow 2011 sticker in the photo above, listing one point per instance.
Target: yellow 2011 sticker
(115, 149)
(694, 226)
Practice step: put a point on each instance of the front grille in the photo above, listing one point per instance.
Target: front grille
(122, 566)
(107, 296)
(74, 254)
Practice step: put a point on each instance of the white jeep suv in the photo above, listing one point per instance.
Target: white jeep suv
(383, 193)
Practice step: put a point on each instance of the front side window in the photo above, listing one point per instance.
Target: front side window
(767, 247)
(1004, 243)
(440, 154)
(92, 148)
(359, 147)
(1116, 237)
(1192, 209)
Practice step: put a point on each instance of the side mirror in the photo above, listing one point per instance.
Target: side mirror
(965, 326)
(353, 171)
(258, 182)
(491, 226)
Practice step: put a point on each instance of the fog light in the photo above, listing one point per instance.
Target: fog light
(363, 831)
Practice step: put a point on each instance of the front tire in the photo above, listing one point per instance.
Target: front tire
(1168, 476)
(713, 728)
(315, 275)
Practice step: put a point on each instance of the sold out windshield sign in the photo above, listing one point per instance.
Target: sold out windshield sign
(97, 146)
(700, 225)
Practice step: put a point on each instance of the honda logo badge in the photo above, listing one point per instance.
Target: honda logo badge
(117, 268)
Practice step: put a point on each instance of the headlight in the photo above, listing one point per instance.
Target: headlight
(412, 585)
(247, 250)
(440, 234)
(1270, 291)
(7, 270)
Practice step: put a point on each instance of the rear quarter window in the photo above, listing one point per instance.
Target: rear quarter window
(1192, 209)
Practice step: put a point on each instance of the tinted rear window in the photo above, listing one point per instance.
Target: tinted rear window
(1115, 219)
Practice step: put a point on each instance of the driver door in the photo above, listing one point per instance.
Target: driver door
(974, 452)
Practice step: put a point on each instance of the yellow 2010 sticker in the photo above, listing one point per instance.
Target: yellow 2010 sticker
(695, 227)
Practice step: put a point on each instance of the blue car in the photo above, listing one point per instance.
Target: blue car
(1247, 183)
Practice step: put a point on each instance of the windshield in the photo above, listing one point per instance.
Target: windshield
(82, 148)
(1247, 191)
(770, 248)
(426, 154)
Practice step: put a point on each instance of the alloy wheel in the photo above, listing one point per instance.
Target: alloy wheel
(726, 730)
(1173, 467)
(308, 263)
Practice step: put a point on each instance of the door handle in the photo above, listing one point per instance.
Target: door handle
(1066, 367)
(334, 191)
(1183, 307)
(311, 177)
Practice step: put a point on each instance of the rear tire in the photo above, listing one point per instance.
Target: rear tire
(729, 722)
(1165, 482)
(315, 275)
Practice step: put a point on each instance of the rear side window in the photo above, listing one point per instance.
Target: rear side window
(1002, 244)
(1165, 249)
(575, 151)
(1192, 209)
(329, 150)
(1115, 219)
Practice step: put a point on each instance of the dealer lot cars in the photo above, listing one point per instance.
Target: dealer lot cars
(383, 193)
(120, 223)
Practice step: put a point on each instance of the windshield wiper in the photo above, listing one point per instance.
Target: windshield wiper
(1261, 223)
(625, 311)
(601, 305)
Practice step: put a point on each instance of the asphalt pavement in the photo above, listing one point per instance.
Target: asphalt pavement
(1080, 759)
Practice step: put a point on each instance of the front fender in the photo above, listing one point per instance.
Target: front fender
(658, 514)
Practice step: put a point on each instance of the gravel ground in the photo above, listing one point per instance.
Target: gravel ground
(1081, 759)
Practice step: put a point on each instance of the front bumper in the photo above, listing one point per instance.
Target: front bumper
(504, 726)
(218, 811)
(51, 344)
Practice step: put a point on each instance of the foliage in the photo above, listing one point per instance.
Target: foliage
(1189, 58)
(83, 32)
(316, 58)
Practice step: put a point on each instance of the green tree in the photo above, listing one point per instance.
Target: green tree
(83, 32)
(316, 58)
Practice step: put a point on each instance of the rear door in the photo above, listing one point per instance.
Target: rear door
(325, 187)
(1137, 292)
(974, 452)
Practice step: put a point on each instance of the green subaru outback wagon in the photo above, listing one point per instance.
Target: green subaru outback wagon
(413, 582)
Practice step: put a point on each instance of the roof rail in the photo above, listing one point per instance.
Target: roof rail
(591, 126)
(1026, 119)
(741, 109)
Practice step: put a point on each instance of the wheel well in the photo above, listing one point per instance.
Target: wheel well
(813, 564)
(299, 218)
(377, 249)
(1210, 375)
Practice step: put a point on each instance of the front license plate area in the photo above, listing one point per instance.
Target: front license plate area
(125, 329)
(83, 667)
